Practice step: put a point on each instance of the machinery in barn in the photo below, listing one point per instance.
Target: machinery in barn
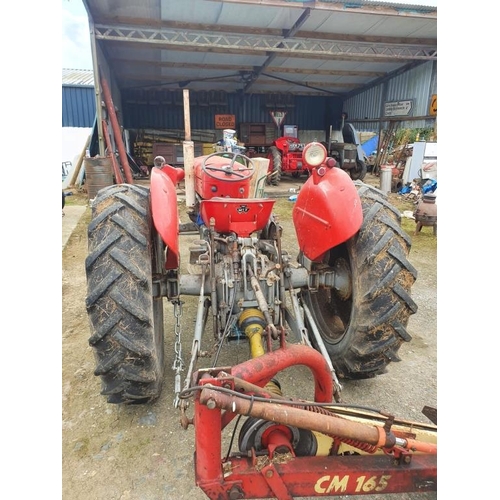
(285, 158)
(285, 154)
(340, 308)
(344, 146)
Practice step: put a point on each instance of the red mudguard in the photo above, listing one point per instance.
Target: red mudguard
(327, 212)
(165, 212)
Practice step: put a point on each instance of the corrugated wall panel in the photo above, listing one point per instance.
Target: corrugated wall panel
(418, 84)
(78, 106)
(309, 112)
(365, 106)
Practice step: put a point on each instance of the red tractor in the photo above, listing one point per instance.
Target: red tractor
(340, 308)
(285, 157)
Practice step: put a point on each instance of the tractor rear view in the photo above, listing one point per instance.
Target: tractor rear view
(340, 308)
(285, 158)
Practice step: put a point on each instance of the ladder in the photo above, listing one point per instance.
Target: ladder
(385, 146)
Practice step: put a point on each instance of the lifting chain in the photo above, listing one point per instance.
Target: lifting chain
(178, 365)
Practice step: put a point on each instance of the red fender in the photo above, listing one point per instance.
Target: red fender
(327, 211)
(166, 213)
(176, 174)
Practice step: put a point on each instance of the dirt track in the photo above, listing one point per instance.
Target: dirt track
(142, 453)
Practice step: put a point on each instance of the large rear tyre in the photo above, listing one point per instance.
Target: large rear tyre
(364, 324)
(275, 165)
(359, 171)
(126, 319)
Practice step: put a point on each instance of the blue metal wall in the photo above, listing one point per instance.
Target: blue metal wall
(164, 110)
(78, 106)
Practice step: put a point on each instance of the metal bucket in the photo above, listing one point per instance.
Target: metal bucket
(98, 174)
(385, 178)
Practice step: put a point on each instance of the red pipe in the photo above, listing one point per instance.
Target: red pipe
(116, 130)
(412, 444)
(262, 369)
(116, 168)
(296, 417)
(207, 431)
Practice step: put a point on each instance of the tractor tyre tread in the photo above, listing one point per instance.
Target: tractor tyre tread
(275, 155)
(126, 320)
(381, 277)
(359, 173)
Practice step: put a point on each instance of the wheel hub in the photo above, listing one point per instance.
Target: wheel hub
(255, 433)
(343, 279)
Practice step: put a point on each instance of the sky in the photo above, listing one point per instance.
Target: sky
(76, 51)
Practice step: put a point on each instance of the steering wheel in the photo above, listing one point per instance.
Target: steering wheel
(243, 163)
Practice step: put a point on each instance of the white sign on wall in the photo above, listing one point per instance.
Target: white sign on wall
(398, 108)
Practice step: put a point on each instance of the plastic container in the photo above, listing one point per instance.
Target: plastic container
(385, 178)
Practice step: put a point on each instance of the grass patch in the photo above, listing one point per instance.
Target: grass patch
(77, 198)
(283, 208)
(424, 239)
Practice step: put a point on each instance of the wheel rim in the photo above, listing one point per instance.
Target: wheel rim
(157, 268)
(358, 172)
(332, 307)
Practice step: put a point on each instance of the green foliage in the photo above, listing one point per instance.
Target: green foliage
(410, 135)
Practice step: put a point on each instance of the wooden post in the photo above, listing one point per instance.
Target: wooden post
(188, 151)
(78, 166)
(187, 118)
(258, 180)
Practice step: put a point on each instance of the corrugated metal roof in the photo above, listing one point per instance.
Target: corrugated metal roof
(336, 48)
(421, 6)
(78, 77)
(332, 49)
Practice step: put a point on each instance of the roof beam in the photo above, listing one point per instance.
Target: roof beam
(232, 67)
(290, 33)
(162, 81)
(216, 50)
(271, 32)
(269, 45)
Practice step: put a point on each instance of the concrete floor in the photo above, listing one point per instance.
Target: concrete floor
(72, 215)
